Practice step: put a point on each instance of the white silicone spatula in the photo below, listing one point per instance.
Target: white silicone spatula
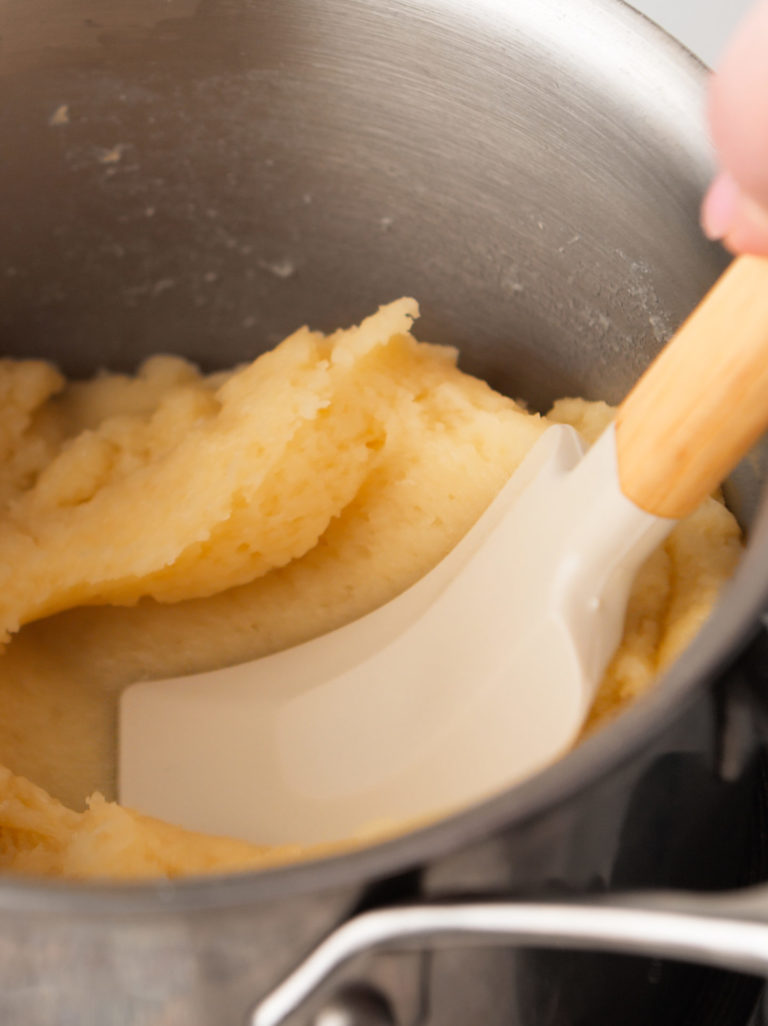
(482, 672)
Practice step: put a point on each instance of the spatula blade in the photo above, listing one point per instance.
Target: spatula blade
(476, 677)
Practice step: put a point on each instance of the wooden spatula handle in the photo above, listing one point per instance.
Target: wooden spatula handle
(703, 402)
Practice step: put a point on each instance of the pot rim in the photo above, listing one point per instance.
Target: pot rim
(608, 749)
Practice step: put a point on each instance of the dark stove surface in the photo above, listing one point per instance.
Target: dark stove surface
(501, 988)
(760, 1014)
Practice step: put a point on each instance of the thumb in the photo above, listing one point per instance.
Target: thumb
(736, 206)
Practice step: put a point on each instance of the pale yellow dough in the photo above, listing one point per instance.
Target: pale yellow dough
(176, 522)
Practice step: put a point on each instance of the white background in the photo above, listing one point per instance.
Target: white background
(703, 25)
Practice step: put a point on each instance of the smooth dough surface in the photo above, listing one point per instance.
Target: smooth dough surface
(175, 522)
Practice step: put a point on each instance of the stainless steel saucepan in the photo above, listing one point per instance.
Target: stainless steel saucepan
(200, 176)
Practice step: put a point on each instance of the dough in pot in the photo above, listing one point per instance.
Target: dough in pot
(175, 522)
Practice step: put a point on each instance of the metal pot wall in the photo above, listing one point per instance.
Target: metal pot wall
(201, 176)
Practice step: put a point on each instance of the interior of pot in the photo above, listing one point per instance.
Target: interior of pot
(203, 182)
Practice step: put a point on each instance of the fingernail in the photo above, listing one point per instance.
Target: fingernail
(720, 207)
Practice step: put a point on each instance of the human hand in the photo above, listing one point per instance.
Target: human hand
(735, 209)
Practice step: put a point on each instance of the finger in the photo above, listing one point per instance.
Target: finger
(731, 216)
(739, 119)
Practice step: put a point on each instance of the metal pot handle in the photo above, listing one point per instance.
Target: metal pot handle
(727, 930)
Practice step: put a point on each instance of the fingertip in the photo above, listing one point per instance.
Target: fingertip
(719, 209)
(746, 239)
(732, 217)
